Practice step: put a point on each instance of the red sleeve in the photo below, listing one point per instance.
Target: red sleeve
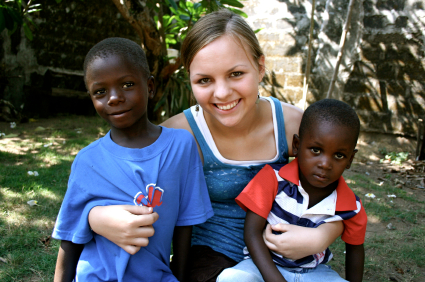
(259, 194)
(355, 228)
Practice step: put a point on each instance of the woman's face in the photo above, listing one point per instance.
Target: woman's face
(224, 79)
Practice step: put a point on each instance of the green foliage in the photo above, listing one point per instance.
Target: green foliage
(395, 158)
(15, 13)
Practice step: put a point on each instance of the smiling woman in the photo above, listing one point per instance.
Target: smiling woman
(237, 133)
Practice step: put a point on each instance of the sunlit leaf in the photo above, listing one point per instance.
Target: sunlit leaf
(233, 3)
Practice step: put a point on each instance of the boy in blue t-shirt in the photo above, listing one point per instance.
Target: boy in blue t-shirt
(136, 163)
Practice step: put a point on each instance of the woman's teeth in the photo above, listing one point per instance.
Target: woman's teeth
(228, 106)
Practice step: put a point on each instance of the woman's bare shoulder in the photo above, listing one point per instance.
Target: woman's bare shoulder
(291, 111)
(178, 121)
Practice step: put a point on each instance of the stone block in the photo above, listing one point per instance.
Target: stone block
(294, 80)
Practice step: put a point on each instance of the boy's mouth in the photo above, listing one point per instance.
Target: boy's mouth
(227, 106)
(118, 113)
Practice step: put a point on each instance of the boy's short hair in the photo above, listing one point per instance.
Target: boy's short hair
(332, 111)
(125, 48)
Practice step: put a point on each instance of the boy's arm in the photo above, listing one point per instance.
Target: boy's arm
(260, 254)
(66, 264)
(354, 262)
(181, 246)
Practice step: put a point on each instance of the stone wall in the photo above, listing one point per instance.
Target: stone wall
(44, 76)
(382, 73)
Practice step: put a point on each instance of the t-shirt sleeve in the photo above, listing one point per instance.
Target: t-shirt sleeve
(258, 196)
(195, 205)
(71, 223)
(355, 228)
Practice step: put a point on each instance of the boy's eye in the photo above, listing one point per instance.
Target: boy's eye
(99, 92)
(339, 156)
(315, 151)
(203, 80)
(236, 73)
(128, 84)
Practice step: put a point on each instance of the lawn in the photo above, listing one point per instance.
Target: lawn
(395, 239)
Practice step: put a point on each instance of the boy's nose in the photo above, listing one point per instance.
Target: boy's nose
(115, 97)
(325, 163)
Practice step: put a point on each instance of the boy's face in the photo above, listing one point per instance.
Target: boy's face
(119, 91)
(324, 152)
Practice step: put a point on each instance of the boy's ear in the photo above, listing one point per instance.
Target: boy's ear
(295, 144)
(351, 158)
(151, 87)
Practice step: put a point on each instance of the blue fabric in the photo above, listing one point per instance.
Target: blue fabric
(247, 271)
(224, 231)
(105, 173)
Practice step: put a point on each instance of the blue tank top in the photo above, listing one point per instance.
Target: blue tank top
(224, 231)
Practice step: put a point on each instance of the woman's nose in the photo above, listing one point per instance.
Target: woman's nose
(222, 90)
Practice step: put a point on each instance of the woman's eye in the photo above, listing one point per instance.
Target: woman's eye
(339, 156)
(204, 80)
(315, 151)
(236, 74)
(128, 84)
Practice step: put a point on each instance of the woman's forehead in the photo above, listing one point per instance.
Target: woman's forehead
(224, 51)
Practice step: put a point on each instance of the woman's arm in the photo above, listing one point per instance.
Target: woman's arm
(66, 264)
(297, 242)
(181, 246)
(127, 226)
(253, 230)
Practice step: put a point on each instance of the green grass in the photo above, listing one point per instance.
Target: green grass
(25, 229)
(391, 254)
(397, 254)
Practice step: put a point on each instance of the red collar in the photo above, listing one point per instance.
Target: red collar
(346, 200)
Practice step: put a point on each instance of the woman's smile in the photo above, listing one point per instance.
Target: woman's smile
(227, 106)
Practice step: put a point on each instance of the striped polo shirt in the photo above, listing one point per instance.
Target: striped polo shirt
(274, 195)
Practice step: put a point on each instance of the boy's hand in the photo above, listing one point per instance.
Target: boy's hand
(127, 226)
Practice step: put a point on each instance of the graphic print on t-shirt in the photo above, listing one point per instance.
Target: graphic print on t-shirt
(152, 199)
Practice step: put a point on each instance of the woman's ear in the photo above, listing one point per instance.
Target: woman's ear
(295, 144)
(262, 67)
(151, 87)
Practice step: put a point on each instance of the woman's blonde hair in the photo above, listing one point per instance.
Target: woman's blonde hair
(212, 26)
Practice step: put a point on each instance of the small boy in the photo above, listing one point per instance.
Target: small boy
(136, 163)
(307, 192)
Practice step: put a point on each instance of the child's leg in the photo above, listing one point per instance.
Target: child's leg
(245, 271)
(322, 273)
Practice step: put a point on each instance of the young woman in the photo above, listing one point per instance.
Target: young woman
(237, 133)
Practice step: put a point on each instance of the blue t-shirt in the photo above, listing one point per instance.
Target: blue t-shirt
(166, 175)
(224, 231)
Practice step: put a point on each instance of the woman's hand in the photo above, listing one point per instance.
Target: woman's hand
(297, 242)
(127, 226)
